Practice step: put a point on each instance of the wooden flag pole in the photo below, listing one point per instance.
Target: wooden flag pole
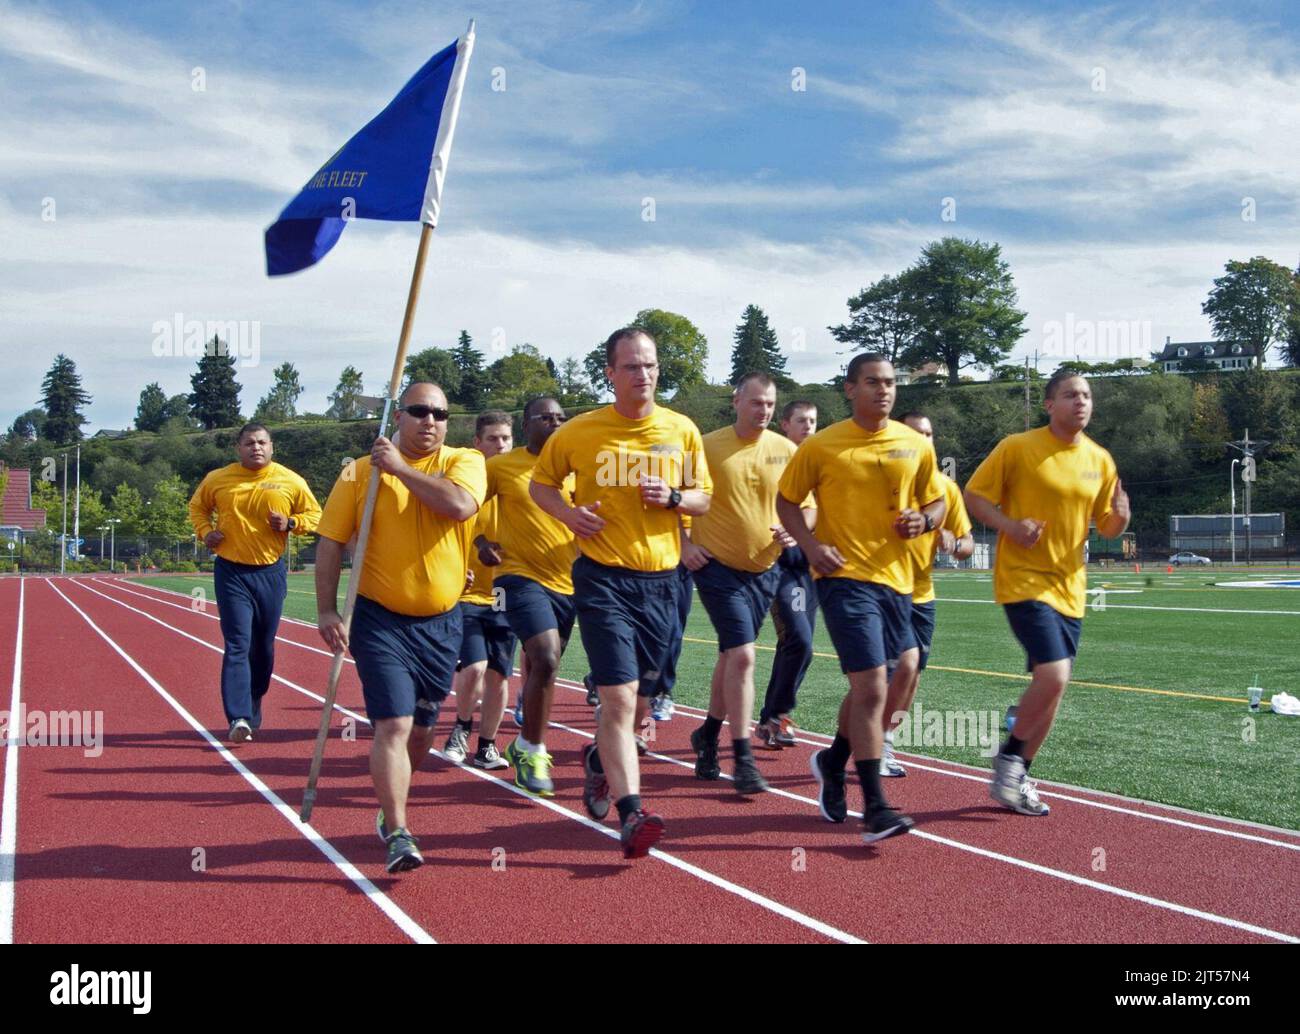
(363, 534)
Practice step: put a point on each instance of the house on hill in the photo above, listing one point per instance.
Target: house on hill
(16, 514)
(1221, 355)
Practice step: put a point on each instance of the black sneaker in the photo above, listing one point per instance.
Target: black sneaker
(593, 698)
(884, 822)
(641, 832)
(830, 790)
(595, 789)
(403, 852)
(748, 779)
(706, 756)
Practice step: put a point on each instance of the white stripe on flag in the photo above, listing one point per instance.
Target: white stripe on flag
(447, 129)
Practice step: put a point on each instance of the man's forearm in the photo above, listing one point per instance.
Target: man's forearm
(1113, 529)
(440, 495)
(694, 502)
(329, 562)
(790, 517)
(936, 511)
(550, 499)
(987, 513)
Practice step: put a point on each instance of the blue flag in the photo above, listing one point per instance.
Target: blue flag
(393, 169)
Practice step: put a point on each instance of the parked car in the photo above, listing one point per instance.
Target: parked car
(1188, 558)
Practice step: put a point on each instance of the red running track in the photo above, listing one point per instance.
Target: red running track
(108, 832)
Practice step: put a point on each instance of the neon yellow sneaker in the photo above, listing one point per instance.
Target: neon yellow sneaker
(532, 770)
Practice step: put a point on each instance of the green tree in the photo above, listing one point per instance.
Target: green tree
(962, 299)
(167, 513)
(436, 365)
(1253, 301)
(280, 404)
(214, 401)
(151, 412)
(1209, 427)
(756, 350)
(575, 389)
(1292, 345)
(880, 319)
(178, 415)
(62, 398)
(474, 381)
(127, 506)
(345, 400)
(1262, 402)
(28, 426)
(518, 377)
(683, 352)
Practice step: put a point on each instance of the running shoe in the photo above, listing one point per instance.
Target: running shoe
(830, 790)
(1012, 787)
(884, 822)
(595, 788)
(748, 779)
(889, 766)
(765, 734)
(457, 744)
(785, 731)
(240, 731)
(593, 698)
(661, 708)
(641, 832)
(381, 826)
(488, 757)
(403, 852)
(706, 756)
(532, 770)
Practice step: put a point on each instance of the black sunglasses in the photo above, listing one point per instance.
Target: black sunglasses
(420, 412)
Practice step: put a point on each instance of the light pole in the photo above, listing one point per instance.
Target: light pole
(1232, 520)
(113, 522)
(101, 529)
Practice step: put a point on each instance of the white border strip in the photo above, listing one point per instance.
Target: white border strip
(377, 897)
(9, 809)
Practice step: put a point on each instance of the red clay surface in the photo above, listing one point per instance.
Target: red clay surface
(106, 844)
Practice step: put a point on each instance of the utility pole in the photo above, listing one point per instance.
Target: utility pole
(63, 538)
(1247, 449)
(1026, 391)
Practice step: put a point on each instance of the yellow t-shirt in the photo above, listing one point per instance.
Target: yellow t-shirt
(926, 547)
(1035, 474)
(862, 480)
(737, 530)
(608, 454)
(415, 559)
(241, 501)
(533, 543)
(485, 524)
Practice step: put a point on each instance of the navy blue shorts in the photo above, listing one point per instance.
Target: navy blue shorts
(628, 620)
(532, 608)
(486, 636)
(736, 601)
(869, 624)
(1046, 634)
(923, 630)
(405, 663)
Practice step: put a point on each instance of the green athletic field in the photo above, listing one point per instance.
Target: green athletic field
(1157, 711)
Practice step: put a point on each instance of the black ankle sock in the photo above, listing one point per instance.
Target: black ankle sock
(1013, 747)
(484, 742)
(837, 754)
(740, 749)
(711, 727)
(595, 761)
(869, 776)
(465, 723)
(628, 805)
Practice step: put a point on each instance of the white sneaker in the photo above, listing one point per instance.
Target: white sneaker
(889, 766)
(1012, 787)
(457, 745)
(240, 731)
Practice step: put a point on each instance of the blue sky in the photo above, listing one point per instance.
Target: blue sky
(1110, 152)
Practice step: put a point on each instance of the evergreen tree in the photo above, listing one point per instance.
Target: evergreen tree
(436, 366)
(28, 426)
(756, 349)
(63, 398)
(151, 413)
(214, 402)
(280, 404)
(473, 379)
(345, 399)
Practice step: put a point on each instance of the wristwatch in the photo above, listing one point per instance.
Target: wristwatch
(293, 523)
(930, 523)
(674, 499)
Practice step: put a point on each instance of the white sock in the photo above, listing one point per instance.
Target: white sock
(889, 737)
(531, 748)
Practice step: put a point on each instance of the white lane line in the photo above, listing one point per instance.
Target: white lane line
(980, 775)
(708, 877)
(1136, 606)
(9, 808)
(1132, 895)
(376, 896)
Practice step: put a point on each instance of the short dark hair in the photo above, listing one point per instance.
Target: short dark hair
(249, 428)
(758, 376)
(1065, 373)
(859, 361)
(491, 418)
(622, 334)
(528, 406)
(792, 407)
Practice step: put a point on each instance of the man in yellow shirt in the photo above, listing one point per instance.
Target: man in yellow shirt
(953, 538)
(794, 611)
(637, 467)
(406, 628)
(875, 486)
(1038, 490)
(535, 555)
(732, 551)
(487, 646)
(244, 513)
